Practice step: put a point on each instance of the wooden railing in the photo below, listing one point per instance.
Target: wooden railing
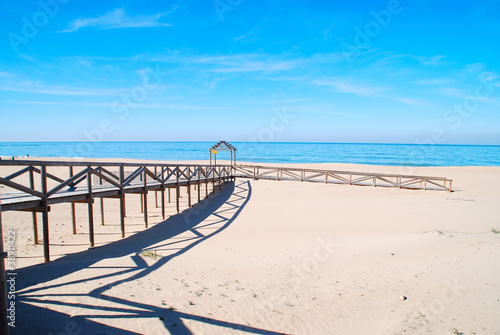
(74, 182)
(343, 177)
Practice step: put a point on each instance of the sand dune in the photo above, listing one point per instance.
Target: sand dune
(267, 257)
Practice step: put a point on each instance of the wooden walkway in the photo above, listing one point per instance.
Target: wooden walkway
(74, 182)
(70, 182)
(343, 177)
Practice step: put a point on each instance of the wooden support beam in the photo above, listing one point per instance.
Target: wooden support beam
(156, 192)
(142, 202)
(33, 209)
(122, 201)
(199, 196)
(163, 193)
(73, 217)
(90, 207)
(34, 216)
(177, 191)
(86, 201)
(73, 209)
(145, 197)
(102, 211)
(45, 215)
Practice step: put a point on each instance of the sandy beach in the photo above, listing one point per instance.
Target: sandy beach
(268, 257)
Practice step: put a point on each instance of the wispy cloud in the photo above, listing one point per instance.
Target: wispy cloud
(248, 37)
(61, 91)
(343, 85)
(435, 81)
(106, 104)
(6, 74)
(119, 19)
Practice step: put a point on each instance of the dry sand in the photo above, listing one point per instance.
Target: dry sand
(267, 257)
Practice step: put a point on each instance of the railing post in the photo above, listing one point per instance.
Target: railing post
(163, 193)
(45, 214)
(206, 183)
(156, 192)
(91, 207)
(34, 215)
(177, 195)
(122, 200)
(145, 197)
(199, 195)
(189, 186)
(73, 209)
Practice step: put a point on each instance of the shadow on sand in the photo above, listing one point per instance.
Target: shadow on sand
(34, 283)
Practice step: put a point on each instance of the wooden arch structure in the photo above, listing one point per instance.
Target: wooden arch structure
(222, 146)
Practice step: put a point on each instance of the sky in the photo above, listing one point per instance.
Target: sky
(409, 71)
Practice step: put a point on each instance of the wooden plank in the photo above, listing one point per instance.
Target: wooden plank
(50, 176)
(34, 215)
(177, 195)
(102, 211)
(112, 175)
(20, 187)
(106, 178)
(67, 182)
(162, 195)
(122, 201)
(90, 207)
(34, 210)
(19, 173)
(73, 209)
(45, 215)
(145, 197)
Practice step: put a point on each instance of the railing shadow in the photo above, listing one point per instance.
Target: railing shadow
(35, 283)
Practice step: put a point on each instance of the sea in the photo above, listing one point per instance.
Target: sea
(269, 152)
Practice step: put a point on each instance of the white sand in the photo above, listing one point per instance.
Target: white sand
(275, 257)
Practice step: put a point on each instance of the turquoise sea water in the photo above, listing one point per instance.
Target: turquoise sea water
(376, 154)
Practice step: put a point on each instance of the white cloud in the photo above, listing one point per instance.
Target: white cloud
(119, 19)
(6, 74)
(62, 91)
(348, 86)
(248, 37)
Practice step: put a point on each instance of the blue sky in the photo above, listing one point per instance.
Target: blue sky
(329, 71)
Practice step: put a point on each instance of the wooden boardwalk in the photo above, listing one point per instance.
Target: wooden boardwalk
(36, 185)
(73, 182)
(343, 177)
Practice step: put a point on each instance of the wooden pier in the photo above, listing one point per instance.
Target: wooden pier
(36, 185)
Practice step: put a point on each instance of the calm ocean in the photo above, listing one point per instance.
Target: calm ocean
(376, 154)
